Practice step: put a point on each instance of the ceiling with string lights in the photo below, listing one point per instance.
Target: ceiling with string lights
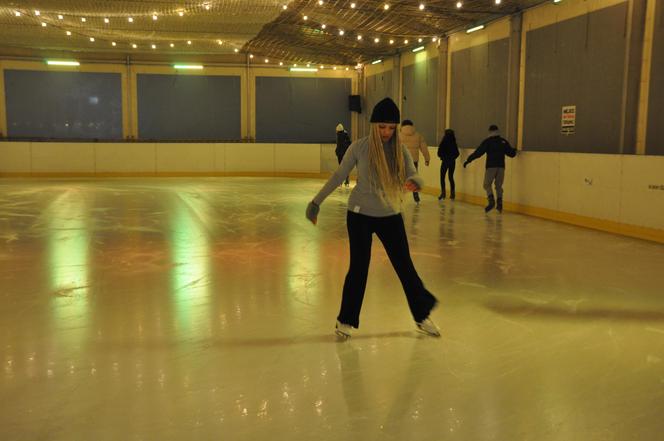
(332, 32)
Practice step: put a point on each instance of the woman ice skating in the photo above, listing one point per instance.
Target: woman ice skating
(385, 169)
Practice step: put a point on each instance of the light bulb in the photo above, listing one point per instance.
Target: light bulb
(37, 13)
(83, 19)
(68, 32)
(106, 20)
(113, 43)
(92, 39)
(341, 32)
(60, 17)
(421, 6)
(352, 5)
(130, 19)
(386, 6)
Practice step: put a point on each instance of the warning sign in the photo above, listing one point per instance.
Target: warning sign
(568, 120)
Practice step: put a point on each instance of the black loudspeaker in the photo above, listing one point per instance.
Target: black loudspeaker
(354, 103)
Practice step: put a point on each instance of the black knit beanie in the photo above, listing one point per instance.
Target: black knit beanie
(385, 112)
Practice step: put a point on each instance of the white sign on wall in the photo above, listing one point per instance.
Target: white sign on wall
(568, 120)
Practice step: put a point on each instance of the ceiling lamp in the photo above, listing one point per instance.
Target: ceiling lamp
(303, 69)
(83, 19)
(352, 5)
(68, 33)
(476, 28)
(386, 6)
(188, 66)
(154, 16)
(359, 37)
(459, 5)
(106, 20)
(37, 13)
(16, 13)
(60, 17)
(113, 43)
(376, 40)
(62, 63)
(92, 39)
(130, 20)
(421, 6)
(341, 32)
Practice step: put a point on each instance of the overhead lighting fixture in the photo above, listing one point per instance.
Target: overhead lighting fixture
(220, 42)
(303, 69)
(434, 39)
(106, 20)
(405, 41)
(419, 40)
(188, 66)
(236, 50)
(352, 5)
(341, 32)
(417, 49)
(386, 6)
(92, 39)
(421, 6)
(359, 37)
(323, 26)
(113, 43)
(459, 5)
(154, 16)
(376, 61)
(62, 63)
(557, 1)
(43, 24)
(181, 13)
(391, 41)
(475, 29)
(60, 17)
(267, 61)
(130, 19)
(37, 13)
(376, 40)
(322, 67)
(83, 19)
(133, 45)
(308, 64)
(189, 42)
(251, 55)
(305, 18)
(17, 13)
(154, 46)
(281, 63)
(346, 68)
(172, 44)
(320, 2)
(207, 7)
(335, 68)
(498, 2)
(68, 33)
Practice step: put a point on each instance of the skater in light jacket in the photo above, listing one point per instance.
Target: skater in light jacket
(385, 169)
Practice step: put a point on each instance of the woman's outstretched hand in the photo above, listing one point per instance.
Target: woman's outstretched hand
(411, 186)
(312, 212)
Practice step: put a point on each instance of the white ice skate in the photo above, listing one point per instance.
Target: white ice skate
(428, 327)
(343, 330)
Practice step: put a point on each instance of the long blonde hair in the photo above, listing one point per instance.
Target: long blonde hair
(386, 178)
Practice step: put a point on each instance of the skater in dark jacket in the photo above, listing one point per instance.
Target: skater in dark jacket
(495, 147)
(385, 169)
(447, 152)
(343, 142)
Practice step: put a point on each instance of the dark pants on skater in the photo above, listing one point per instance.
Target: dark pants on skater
(416, 195)
(391, 232)
(340, 158)
(447, 167)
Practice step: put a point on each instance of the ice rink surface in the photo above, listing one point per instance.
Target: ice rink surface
(200, 309)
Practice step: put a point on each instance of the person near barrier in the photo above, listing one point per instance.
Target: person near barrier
(447, 152)
(496, 148)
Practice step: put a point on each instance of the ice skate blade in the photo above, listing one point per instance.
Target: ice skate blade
(341, 334)
(427, 333)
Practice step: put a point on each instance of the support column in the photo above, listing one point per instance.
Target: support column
(644, 86)
(441, 102)
(636, 16)
(513, 77)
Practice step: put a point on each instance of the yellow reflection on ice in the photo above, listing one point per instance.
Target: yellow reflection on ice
(190, 247)
(69, 241)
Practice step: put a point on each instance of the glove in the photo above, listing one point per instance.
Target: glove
(312, 212)
(465, 164)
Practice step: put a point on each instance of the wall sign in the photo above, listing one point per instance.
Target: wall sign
(568, 120)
